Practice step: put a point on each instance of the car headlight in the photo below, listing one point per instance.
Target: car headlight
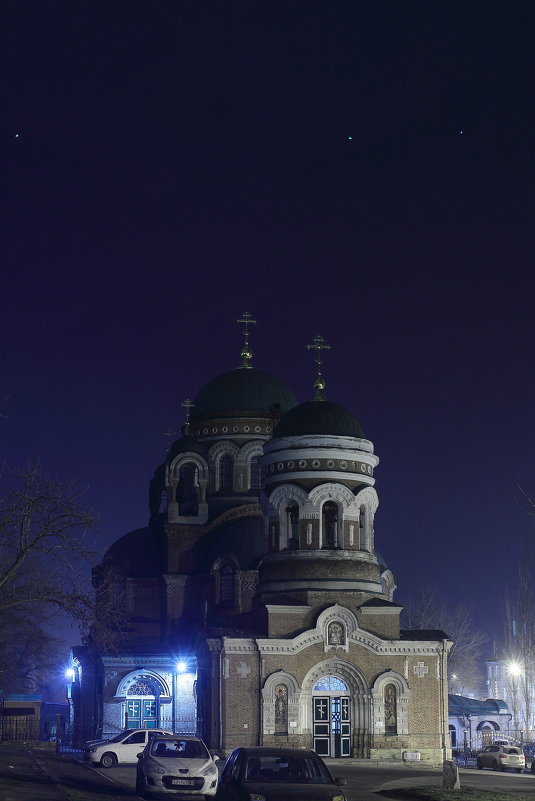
(158, 771)
(257, 797)
(338, 798)
(209, 770)
(90, 750)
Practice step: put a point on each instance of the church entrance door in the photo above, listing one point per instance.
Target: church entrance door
(141, 713)
(331, 709)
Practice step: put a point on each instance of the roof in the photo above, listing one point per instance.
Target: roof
(138, 553)
(371, 602)
(461, 705)
(431, 635)
(319, 417)
(187, 444)
(243, 389)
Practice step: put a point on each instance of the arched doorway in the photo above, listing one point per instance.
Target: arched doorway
(141, 705)
(331, 717)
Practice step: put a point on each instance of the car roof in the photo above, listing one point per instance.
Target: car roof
(168, 736)
(273, 750)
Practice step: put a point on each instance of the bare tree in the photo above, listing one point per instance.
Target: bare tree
(519, 641)
(428, 611)
(45, 557)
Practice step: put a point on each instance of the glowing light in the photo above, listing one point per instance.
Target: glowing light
(69, 674)
(350, 138)
(181, 667)
(514, 668)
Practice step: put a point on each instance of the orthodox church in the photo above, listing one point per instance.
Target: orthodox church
(259, 610)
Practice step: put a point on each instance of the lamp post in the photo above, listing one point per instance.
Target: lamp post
(465, 732)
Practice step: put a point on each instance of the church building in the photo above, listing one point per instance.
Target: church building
(259, 610)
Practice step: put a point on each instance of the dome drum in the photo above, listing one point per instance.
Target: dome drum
(324, 565)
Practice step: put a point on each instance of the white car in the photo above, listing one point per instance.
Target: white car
(501, 757)
(178, 765)
(124, 747)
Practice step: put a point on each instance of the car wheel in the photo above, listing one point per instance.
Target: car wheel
(533, 766)
(108, 760)
(496, 765)
(479, 765)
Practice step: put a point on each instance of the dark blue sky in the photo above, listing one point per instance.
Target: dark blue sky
(361, 170)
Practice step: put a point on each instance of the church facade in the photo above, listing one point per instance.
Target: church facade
(259, 610)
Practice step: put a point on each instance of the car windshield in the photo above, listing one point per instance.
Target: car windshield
(179, 749)
(275, 768)
(120, 736)
(512, 751)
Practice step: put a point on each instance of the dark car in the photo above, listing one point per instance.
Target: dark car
(277, 774)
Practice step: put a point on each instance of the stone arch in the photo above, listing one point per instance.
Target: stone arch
(287, 492)
(366, 502)
(279, 500)
(402, 701)
(187, 458)
(173, 474)
(246, 456)
(162, 690)
(343, 498)
(216, 453)
(222, 587)
(336, 614)
(360, 699)
(272, 684)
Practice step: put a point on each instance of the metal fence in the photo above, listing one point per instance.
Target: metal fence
(18, 728)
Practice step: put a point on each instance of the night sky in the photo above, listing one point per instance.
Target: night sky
(362, 170)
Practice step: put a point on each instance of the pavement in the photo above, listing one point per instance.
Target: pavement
(35, 774)
(30, 773)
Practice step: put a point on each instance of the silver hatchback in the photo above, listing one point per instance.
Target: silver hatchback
(501, 757)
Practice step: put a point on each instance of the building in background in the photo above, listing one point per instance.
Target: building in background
(260, 610)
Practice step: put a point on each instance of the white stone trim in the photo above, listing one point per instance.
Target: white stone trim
(402, 692)
(123, 685)
(308, 442)
(286, 609)
(268, 701)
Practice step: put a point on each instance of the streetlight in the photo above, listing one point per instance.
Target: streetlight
(465, 732)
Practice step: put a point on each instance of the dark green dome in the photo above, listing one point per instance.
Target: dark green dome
(244, 389)
(186, 444)
(319, 417)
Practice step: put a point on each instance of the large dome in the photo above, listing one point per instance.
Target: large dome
(319, 417)
(244, 389)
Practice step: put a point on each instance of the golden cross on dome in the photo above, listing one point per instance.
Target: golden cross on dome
(188, 404)
(247, 353)
(318, 344)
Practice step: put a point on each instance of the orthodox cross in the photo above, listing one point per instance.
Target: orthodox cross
(318, 344)
(247, 353)
(169, 434)
(188, 404)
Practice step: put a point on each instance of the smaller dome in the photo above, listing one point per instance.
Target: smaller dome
(319, 417)
(186, 444)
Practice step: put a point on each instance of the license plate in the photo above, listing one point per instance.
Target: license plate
(187, 782)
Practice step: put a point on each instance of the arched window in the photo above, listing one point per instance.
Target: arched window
(255, 473)
(363, 545)
(330, 525)
(226, 470)
(226, 585)
(292, 525)
(186, 491)
(281, 709)
(391, 713)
